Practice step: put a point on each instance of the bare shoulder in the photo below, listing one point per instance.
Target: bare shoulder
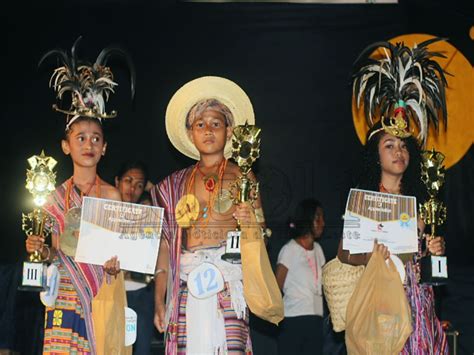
(233, 169)
(109, 192)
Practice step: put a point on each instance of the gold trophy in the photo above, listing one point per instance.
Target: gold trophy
(434, 269)
(40, 180)
(245, 151)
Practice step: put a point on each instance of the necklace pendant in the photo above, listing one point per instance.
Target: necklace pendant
(223, 202)
(210, 183)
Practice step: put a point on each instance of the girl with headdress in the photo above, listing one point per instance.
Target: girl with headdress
(89, 296)
(403, 85)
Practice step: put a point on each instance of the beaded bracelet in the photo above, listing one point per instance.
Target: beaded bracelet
(49, 252)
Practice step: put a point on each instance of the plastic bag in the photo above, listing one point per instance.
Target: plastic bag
(109, 317)
(261, 290)
(378, 319)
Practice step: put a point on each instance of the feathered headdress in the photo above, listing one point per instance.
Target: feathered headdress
(404, 83)
(90, 85)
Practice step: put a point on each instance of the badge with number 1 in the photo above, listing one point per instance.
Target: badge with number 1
(205, 281)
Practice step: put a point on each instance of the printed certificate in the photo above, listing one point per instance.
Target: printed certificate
(391, 219)
(130, 231)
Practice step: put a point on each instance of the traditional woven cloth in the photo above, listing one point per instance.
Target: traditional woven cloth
(167, 194)
(428, 336)
(68, 325)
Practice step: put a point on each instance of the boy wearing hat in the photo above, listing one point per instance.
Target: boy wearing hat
(205, 310)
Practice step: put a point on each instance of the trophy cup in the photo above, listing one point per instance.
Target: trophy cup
(40, 180)
(434, 269)
(245, 151)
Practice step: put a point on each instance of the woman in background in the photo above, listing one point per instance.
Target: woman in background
(131, 180)
(298, 274)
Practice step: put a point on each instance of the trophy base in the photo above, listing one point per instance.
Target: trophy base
(434, 270)
(233, 258)
(32, 288)
(34, 277)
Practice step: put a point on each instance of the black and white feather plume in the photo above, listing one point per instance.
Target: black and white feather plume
(90, 85)
(403, 78)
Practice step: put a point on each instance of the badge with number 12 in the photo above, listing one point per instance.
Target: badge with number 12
(205, 281)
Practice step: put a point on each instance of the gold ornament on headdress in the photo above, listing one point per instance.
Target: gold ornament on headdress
(397, 127)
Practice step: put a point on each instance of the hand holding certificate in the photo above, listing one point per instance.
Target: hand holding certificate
(391, 219)
(127, 230)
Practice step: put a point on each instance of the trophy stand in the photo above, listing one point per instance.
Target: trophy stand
(40, 180)
(245, 151)
(434, 269)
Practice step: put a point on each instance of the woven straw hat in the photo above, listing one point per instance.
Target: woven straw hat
(339, 282)
(207, 87)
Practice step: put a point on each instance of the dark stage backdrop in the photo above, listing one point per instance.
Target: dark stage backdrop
(294, 62)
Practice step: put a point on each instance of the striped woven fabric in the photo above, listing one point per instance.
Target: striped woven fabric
(428, 337)
(237, 330)
(68, 325)
(65, 328)
(167, 194)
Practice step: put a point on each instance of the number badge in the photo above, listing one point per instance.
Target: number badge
(205, 281)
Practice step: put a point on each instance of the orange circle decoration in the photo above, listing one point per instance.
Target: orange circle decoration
(456, 140)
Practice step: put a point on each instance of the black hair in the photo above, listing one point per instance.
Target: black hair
(302, 221)
(129, 165)
(371, 172)
(145, 196)
(67, 132)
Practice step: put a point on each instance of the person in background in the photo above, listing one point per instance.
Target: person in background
(298, 273)
(131, 180)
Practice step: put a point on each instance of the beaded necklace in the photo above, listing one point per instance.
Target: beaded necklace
(313, 265)
(70, 183)
(212, 186)
(384, 190)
